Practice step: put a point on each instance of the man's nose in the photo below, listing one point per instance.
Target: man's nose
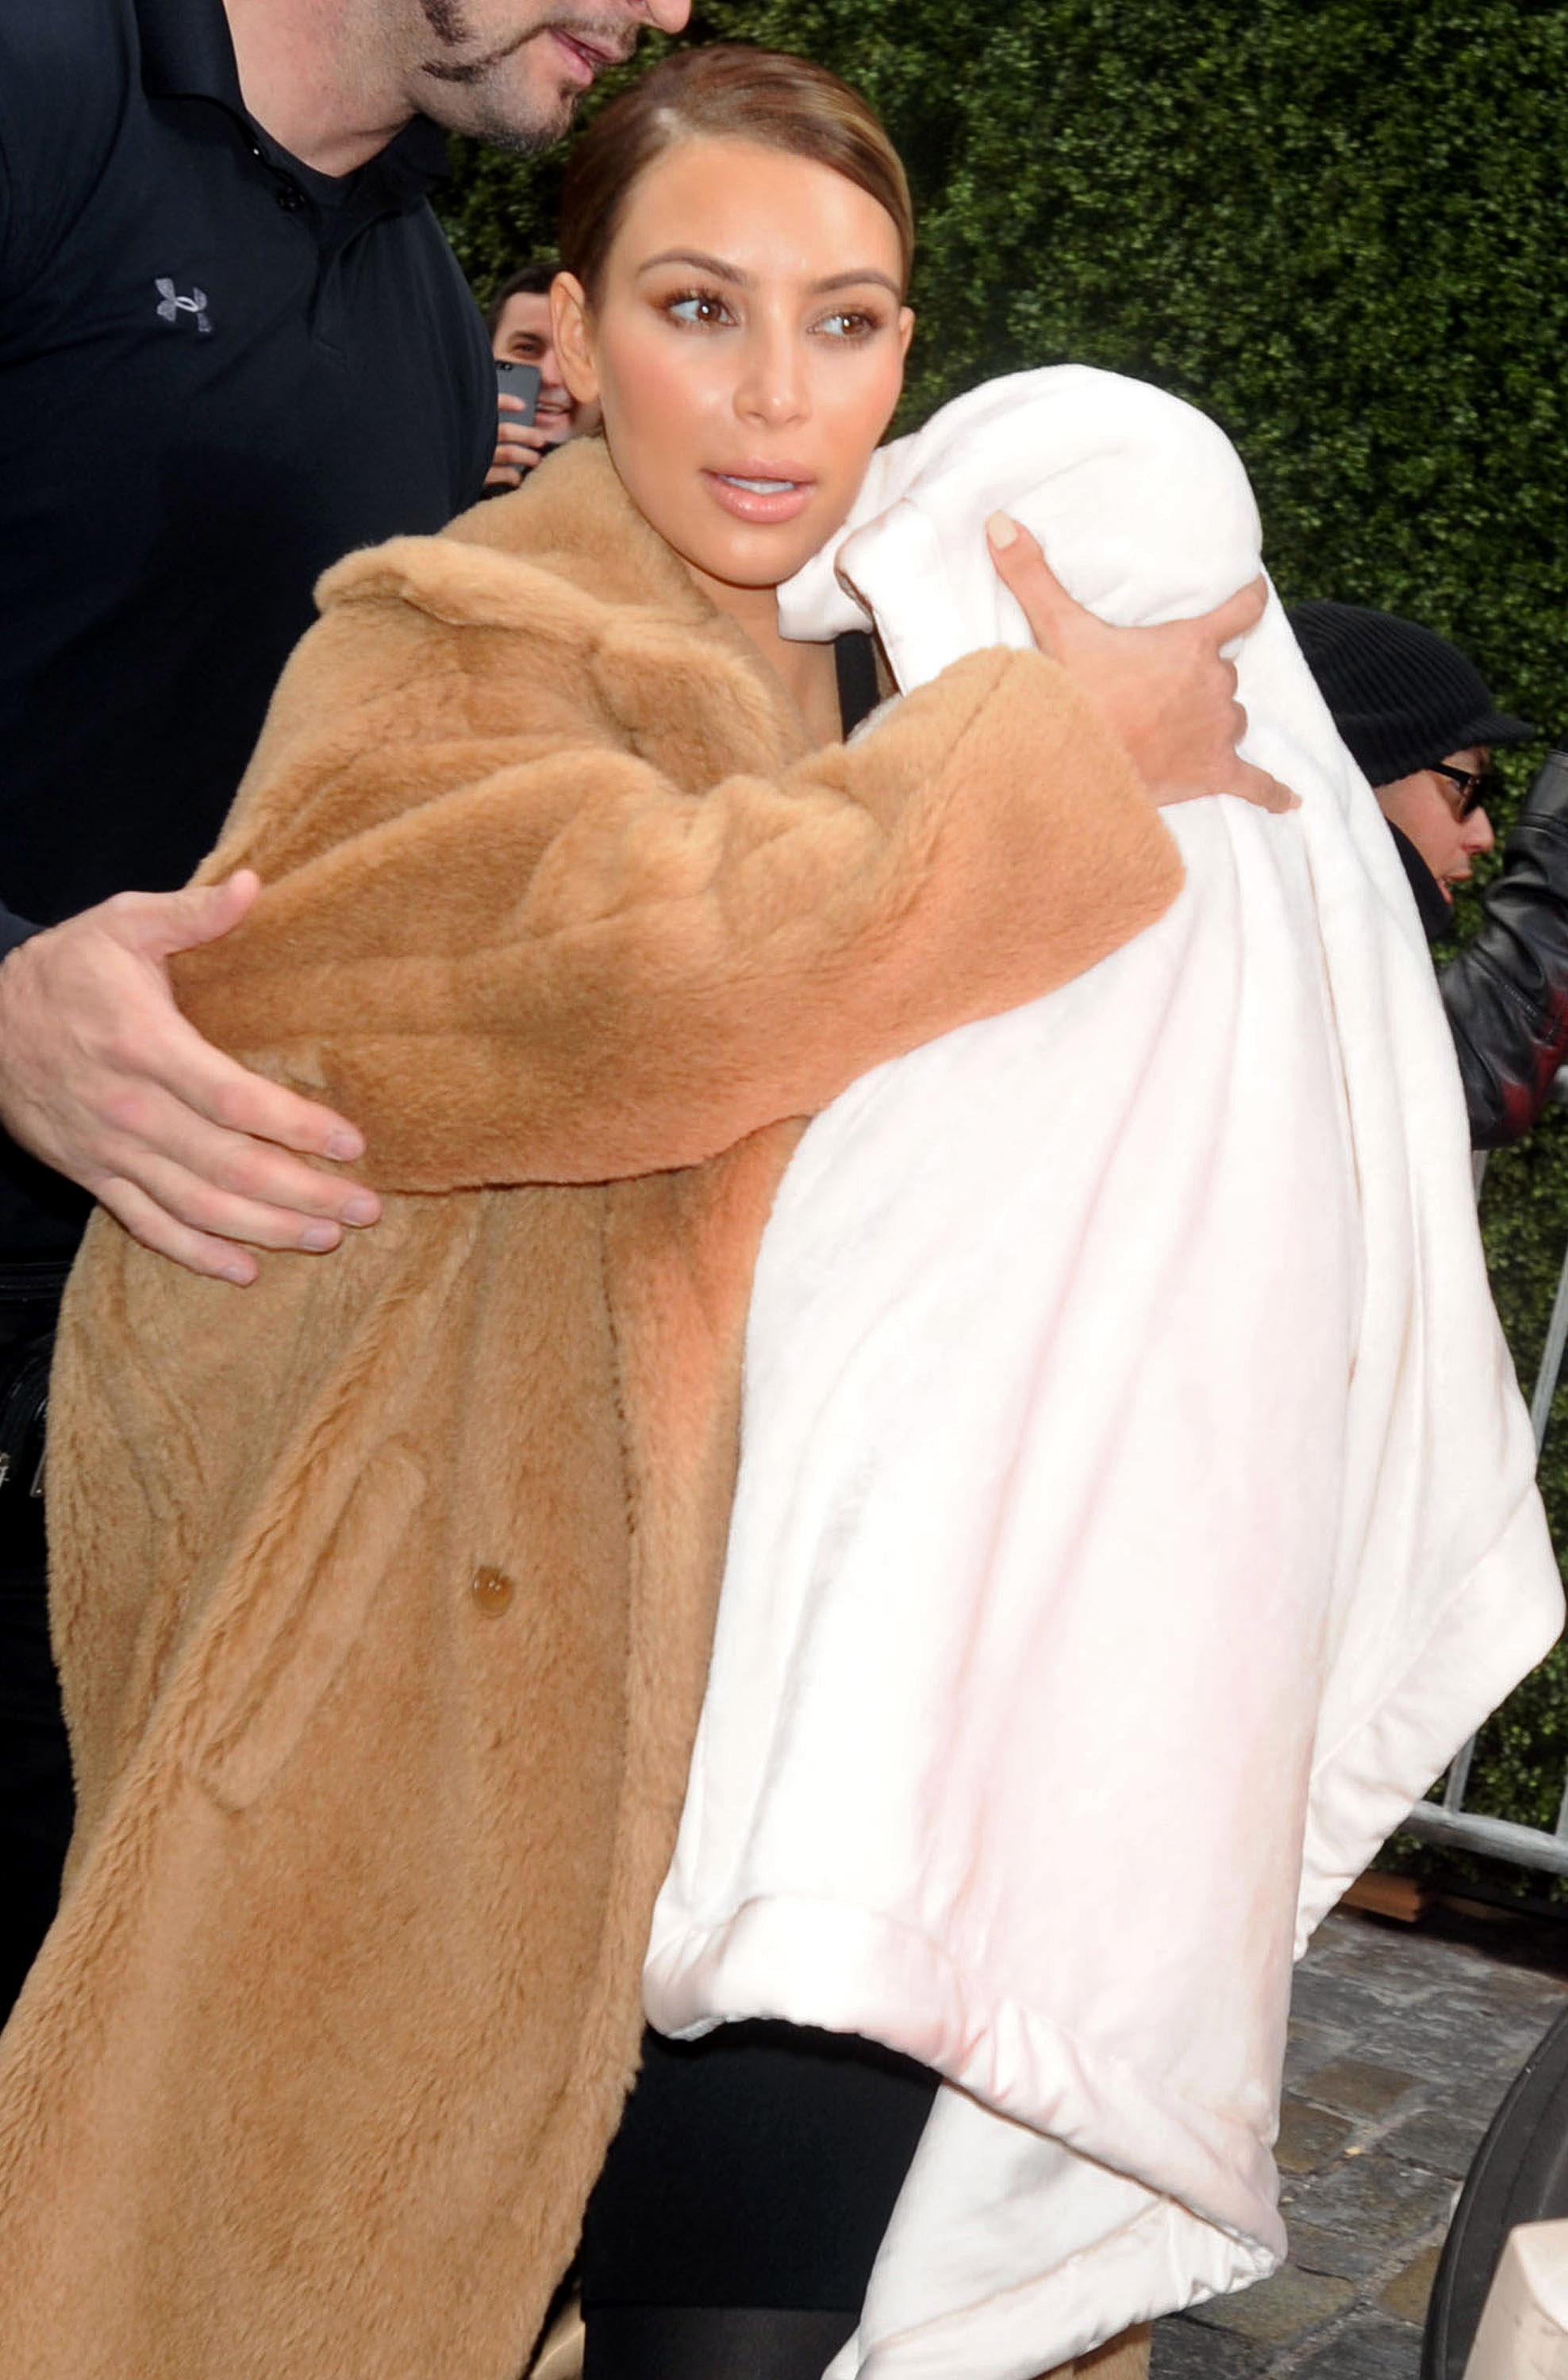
(1478, 835)
(668, 16)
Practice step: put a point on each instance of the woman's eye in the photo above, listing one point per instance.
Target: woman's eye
(700, 307)
(848, 323)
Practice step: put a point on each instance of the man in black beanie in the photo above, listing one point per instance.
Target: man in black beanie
(1421, 725)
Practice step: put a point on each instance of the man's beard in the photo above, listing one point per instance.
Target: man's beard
(486, 118)
(508, 132)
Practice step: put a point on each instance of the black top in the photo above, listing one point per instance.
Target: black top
(219, 370)
(855, 665)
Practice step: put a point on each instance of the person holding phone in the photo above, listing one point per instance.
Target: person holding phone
(522, 339)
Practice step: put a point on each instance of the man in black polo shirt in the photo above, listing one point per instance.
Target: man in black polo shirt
(233, 344)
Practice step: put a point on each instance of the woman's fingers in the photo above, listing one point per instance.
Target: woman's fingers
(1238, 614)
(1025, 572)
(1255, 786)
(1168, 692)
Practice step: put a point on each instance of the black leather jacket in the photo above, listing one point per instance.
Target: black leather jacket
(1507, 992)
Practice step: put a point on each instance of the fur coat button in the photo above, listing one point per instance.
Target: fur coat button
(492, 1590)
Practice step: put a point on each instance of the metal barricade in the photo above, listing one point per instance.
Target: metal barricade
(1449, 1821)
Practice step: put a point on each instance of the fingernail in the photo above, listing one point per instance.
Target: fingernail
(359, 1210)
(319, 1237)
(241, 1275)
(346, 1146)
(1001, 531)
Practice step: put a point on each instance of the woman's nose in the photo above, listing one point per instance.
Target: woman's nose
(773, 387)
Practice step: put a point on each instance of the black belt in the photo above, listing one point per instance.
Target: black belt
(30, 1309)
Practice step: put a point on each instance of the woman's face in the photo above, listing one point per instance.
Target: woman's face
(747, 349)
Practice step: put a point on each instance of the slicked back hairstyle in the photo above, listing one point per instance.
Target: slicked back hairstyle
(724, 90)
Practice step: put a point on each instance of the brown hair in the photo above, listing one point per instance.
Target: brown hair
(531, 280)
(725, 91)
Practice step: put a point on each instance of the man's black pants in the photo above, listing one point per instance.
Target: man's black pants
(35, 1772)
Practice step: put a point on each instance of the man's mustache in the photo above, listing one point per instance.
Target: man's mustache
(613, 42)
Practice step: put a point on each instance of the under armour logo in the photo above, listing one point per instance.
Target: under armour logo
(171, 305)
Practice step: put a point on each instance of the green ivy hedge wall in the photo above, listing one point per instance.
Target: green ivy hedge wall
(1338, 226)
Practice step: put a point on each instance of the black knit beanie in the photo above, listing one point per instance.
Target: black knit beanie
(1401, 698)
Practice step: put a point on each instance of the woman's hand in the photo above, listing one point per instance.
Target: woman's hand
(1165, 693)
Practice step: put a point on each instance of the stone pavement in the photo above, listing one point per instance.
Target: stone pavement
(1401, 2044)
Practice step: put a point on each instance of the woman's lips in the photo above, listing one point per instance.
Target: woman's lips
(763, 498)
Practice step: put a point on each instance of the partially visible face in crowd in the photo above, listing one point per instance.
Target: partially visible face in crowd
(525, 334)
(510, 71)
(1425, 806)
(747, 347)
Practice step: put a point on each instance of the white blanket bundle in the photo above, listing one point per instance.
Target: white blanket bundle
(1137, 1507)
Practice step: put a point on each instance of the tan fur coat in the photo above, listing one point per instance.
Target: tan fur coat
(383, 1590)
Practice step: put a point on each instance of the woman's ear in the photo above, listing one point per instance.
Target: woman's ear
(906, 328)
(574, 337)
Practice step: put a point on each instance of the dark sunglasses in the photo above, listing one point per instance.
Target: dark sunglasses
(1473, 786)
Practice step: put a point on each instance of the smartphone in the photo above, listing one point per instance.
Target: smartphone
(518, 380)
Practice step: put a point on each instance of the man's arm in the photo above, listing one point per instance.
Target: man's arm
(1507, 991)
(100, 1075)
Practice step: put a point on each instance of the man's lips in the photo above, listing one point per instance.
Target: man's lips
(763, 494)
(586, 59)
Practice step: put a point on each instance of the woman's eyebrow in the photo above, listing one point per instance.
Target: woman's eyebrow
(713, 265)
(856, 279)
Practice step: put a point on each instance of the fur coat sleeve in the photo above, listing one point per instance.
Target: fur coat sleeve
(554, 891)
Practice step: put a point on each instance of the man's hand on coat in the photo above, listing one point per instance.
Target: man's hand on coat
(1167, 693)
(102, 1078)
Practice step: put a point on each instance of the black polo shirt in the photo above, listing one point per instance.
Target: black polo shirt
(219, 370)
